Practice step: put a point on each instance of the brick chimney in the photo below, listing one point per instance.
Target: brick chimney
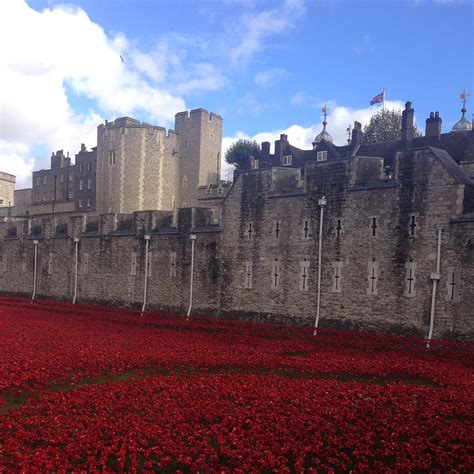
(433, 125)
(357, 135)
(280, 146)
(265, 149)
(407, 124)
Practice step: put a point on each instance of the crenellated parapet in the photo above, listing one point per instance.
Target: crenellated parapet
(135, 224)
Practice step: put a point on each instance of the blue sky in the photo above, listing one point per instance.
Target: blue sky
(266, 66)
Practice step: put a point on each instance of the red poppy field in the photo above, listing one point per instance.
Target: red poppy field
(87, 388)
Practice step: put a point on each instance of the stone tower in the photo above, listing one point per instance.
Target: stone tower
(7, 189)
(200, 139)
(142, 167)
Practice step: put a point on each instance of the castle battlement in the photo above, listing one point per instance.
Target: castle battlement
(7, 177)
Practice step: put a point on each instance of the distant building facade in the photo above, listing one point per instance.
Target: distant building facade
(135, 166)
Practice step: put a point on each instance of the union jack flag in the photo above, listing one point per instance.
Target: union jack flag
(377, 99)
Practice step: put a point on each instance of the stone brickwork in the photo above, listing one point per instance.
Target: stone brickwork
(200, 141)
(388, 215)
(7, 188)
(257, 255)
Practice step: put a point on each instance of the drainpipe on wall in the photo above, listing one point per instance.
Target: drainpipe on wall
(193, 240)
(321, 203)
(145, 285)
(76, 268)
(435, 277)
(35, 243)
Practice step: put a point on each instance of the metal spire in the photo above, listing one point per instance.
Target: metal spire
(464, 97)
(464, 123)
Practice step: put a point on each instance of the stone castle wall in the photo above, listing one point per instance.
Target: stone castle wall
(376, 274)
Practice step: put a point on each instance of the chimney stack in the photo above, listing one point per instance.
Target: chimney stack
(265, 149)
(280, 146)
(407, 124)
(433, 125)
(357, 135)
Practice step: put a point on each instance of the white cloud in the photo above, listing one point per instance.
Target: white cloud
(269, 77)
(255, 28)
(53, 57)
(339, 118)
(303, 98)
(203, 77)
(14, 159)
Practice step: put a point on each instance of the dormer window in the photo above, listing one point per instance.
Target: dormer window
(287, 160)
(322, 156)
(254, 164)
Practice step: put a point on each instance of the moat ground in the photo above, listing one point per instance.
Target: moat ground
(84, 388)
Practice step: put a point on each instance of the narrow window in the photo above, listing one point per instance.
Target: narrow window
(61, 178)
(60, 195)
(410, 279)
(248, 274)
(81, 185)
(412, 226)
(185, 181)
(249, 231)
(70, 177)
(254, 164)
(112, 157)
(452, 285)
(80, 168)
(37, 198)
(38, 181)
(322, 156)
(133, 264)
(85, 264)
(53, 197)
(373, 277)
(336, 277)
(50, 264)
(89, 183)
(211, 134)
(80, 202)
(70, 194)
(275, 274)
(304, 275)
(338, 228)
(276, 229)
(172, 264)
(287, 160)
(88, 167)
(305, 230)
(44, 196)
(88, 202)
(45, 180)
(373, 226)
